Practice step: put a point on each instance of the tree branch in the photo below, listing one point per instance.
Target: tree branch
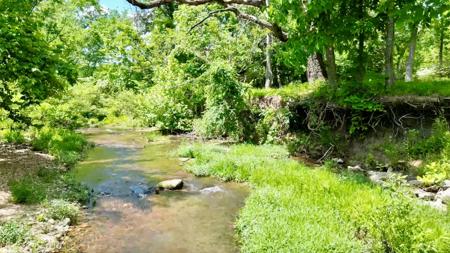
(158, 3)
(275, 29)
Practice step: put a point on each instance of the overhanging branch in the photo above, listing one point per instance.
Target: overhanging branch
(158, 3)
(274, 28)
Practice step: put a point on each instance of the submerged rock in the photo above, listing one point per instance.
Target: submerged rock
(213, 189)
(173, 184)
(141, 190)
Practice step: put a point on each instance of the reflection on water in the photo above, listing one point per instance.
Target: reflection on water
(190, 220)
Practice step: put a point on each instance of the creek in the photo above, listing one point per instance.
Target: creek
(198, 218)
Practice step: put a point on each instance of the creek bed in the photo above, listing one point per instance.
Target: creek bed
(189, 220)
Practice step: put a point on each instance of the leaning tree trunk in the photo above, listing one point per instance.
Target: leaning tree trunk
(331, 66)
(389, 51)
(316, 68)
(412, 51)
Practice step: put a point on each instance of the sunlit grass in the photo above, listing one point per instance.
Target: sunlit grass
(293, 208)
(421, 88)
(294, 91)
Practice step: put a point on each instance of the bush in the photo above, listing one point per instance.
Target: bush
(27, 191)
(59, 209)
(81, 106)
(225, 106)
(13, 232)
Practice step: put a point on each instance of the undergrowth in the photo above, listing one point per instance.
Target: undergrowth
(48, 184)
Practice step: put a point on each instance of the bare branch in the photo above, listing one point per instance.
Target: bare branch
(275, 29)
(210, 14)
(158, 3)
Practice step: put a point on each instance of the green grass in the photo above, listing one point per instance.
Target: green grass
(291, 91)
(59, 209)
(421, 88)
(13, 232)
(293, 208)
(48, 184)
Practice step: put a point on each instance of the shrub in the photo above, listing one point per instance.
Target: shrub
(59, 209)
(273, 125)
(27, 191)
(13, 232)
(81, 106)
(67, 146)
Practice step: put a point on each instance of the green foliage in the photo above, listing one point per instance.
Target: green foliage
(13, 232)
(13, 136)
(295, 91)
(398, 226)
(273, 125)
(293, 208)
(81, 106)
(436, 172)
(30, 70)
(225, 107)
(421, 88)
(58, 209)
(316, 145)
(67, 146)
(46, 185)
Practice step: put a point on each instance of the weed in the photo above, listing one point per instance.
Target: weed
(13, 232)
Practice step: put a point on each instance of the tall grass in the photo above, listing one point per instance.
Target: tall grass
(293, 208)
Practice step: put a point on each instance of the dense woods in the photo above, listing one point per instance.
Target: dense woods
(351, 88)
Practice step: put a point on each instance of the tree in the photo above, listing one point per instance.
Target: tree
(30, 69)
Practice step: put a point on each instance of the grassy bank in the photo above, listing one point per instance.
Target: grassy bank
(47, 185)
(293, 208)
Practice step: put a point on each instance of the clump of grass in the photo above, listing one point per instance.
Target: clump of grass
(13, 233)
(66, 145)
(46, 185)
(59, 209)
(293, 208)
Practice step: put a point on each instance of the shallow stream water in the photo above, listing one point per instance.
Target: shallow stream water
(189, 220)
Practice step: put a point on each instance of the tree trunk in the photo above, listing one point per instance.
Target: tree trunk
(389, 51)
(441, 48)
(412, 51)
(331, 66)
(269, 73)
(316, 68)
(361, 69)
